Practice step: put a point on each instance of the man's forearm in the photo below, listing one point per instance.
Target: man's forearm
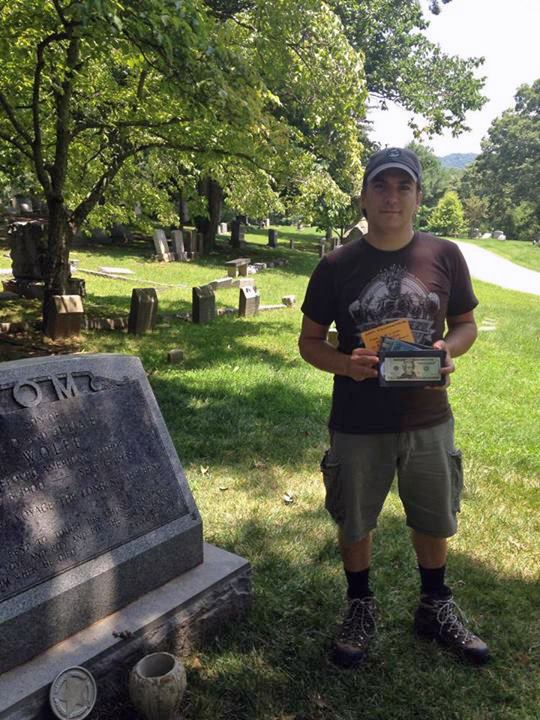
(460, 338)
(324, 356)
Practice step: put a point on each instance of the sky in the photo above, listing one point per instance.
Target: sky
(507, 34)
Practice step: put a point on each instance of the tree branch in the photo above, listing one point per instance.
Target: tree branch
(13, 141)
(4, 103)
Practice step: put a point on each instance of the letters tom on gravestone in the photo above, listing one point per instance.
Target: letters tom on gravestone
(95, 509)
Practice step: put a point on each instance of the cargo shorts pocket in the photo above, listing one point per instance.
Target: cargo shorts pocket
(456, 469)
(330, 468)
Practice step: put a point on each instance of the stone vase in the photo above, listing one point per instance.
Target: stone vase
(156, 686)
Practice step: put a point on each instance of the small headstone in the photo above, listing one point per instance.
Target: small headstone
(496, 234)
(486, 236)
(291, 243)
(64, 317)
(178, 244)
(289, 300)
(267, 223)
(160, 242)
(188, 241)
(203, 305)
(322, 248)
(237, 234)
(272, 238)
(223, 228)
(249, 301)
(199, 242)
(115, 270)
(143, 310)
(175, 356)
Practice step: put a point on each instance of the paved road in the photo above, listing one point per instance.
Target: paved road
(489, 267)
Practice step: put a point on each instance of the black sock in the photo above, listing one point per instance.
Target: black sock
(432, 580)
(358, 584)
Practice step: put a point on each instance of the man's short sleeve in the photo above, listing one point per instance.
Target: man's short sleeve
(320, 301)
(462, 298)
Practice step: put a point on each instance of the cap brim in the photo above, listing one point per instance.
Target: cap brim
(392, 165)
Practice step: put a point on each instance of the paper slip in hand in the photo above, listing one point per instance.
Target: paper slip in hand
(399, 329)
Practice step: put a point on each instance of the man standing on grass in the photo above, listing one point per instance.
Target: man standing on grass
(392, 274)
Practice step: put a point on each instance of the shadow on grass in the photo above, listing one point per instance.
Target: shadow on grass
(276, 664)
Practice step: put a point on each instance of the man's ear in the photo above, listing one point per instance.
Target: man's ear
(419, 198)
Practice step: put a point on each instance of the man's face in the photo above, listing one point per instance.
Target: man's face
(391, 200)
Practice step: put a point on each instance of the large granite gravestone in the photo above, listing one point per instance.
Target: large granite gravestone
(95, 507)
(143, 310)
(203, 305)
(101, 552)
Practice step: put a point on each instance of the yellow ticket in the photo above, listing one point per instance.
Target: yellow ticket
(398, 329)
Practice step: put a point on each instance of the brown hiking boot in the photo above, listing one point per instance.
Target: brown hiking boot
(357, 632)
(441, 619)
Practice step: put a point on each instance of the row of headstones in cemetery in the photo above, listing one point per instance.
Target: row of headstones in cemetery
(188, 244)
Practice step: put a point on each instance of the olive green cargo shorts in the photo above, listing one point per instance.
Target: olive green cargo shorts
(358, 472)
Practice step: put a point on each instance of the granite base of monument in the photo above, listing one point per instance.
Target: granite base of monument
(176, 617)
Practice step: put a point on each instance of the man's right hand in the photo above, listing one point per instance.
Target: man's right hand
(360, 365)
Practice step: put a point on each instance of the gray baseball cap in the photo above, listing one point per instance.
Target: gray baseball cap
(399, 158)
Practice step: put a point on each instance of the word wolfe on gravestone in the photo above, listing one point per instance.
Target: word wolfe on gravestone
(95, 514)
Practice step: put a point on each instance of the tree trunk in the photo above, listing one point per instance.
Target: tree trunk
(59, 242)
(183, 210)
(214, 198)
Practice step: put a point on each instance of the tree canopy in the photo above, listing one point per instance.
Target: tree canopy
(507, 172)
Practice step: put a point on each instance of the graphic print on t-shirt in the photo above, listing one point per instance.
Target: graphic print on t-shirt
(392, 294)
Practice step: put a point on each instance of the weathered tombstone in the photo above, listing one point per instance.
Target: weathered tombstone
(97, 521)
(248, 302)
(203, 305)
(199, 241)
(237, 234)
(289, 300)
(143, 310)
(175, 356)
(221, 283)
(272, 238)
(189, 241)
(291, 243)
(28, 246)
(160, 243)
(496, 234)
(322, 248)
(64, 316)
(178, 244)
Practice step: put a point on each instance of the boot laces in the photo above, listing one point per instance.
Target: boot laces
(452, 620)
(360, 621)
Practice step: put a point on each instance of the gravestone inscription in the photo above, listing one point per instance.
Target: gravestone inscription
(94, 505)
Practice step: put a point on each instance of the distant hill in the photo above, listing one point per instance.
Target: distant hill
(457, 160)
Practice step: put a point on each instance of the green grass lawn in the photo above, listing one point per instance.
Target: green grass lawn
(248, 419)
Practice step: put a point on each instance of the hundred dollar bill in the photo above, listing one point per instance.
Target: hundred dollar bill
(412, 369)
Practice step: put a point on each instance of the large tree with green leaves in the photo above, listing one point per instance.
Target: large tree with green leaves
(88, 87)
(507, 171)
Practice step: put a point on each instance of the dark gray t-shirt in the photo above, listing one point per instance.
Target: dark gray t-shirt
(360, 287)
